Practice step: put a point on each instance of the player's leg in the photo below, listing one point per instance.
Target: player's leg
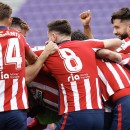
(82, 120)
(108, 116)
(3, 117)
(17, 120)
(107, 120)
(121, 116)
(98, 119)
(66, 121)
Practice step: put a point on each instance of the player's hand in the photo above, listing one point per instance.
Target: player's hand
(51, 48)
(85, 18)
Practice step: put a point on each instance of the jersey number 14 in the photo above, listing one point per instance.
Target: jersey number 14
(12, 54)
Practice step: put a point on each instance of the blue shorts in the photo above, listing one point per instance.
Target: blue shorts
(108, 116)
(82, 120)
(13, 120)
(121, 117)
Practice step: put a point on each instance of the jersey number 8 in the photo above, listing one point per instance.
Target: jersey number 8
(70, 57)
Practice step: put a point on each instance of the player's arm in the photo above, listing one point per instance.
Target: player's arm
(30, 56)
(120, 58)
(85, 18)
(108, 54)
(112, 44)
(33, 70)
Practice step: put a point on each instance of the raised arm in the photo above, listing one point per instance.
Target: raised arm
(85, 18)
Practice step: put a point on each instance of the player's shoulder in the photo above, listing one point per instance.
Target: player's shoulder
(69, 43)
(14, 33)
(127, 39)
(38, 49)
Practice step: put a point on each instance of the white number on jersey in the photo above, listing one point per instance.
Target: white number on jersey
(12, 49)
(69, 56)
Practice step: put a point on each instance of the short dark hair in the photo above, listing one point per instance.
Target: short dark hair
(122, 14)
(78, 35)
(5, 11)
(60, 25)
(16, 21)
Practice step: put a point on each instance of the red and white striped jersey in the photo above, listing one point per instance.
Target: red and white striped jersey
(113, 77)
(125, 47)
(13, 93)
(125, 59)
(125, 50)
(44, 88)
(75, 70)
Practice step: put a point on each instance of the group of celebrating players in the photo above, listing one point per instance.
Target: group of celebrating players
(86, 80)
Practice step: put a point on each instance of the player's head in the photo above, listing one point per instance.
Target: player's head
(78, 35)
(20, 25)
(5, 14)
(59, 29)
(121, 23)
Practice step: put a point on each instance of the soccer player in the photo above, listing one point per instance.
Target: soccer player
(121, 28)
(77, 78)
(13, 93)
(40, 92)
(19, 25)
(78, 35)
(120, 20)
(121, 24)
(115, 87)
(32, 72)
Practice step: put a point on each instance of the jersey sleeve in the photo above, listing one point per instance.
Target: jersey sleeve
(125, 47)
(30, 56)
(38, 50)
(26, 45)
(125, 60)
(95, 44)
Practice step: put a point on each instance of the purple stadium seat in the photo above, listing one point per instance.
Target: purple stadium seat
(39, 13)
